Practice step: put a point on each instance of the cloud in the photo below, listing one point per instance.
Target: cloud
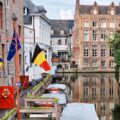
(66, 14)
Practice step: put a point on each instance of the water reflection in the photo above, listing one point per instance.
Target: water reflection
(98, 88)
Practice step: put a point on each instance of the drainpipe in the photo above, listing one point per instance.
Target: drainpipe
(6, 35)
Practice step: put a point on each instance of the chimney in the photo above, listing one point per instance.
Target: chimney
(77, 7)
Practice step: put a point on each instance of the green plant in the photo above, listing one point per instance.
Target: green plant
(8, 114)
(116, 112)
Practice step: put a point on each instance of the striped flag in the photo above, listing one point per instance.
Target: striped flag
(39, 58)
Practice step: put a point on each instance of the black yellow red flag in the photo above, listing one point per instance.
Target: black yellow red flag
(39, 58)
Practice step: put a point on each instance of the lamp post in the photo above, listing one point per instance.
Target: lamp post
(14, 18)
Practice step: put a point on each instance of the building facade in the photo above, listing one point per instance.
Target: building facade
(7, 8)
(92, 26)
(61, 37)
(37, 28)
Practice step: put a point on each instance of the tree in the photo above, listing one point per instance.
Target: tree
(114, 41)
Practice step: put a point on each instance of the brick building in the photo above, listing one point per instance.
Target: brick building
(92, 26)
(7, 8)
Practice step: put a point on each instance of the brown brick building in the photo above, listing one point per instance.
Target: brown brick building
(7, 8)
(92, 26)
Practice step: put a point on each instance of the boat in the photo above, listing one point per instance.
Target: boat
(44, 105)
(56, 88)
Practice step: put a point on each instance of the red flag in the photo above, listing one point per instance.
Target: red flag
(6, 97)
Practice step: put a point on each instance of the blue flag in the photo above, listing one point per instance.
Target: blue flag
(12, 50)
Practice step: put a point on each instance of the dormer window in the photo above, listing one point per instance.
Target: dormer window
(62, 32)
(95, 12)
(25, 11)
(52, 32)
(112, 9)
(95, 8)
(112, 12)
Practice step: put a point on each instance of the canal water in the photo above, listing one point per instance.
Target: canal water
(98, 88)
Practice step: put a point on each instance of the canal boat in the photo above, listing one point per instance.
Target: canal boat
(56, 88)
(44, 104)
(60, 96)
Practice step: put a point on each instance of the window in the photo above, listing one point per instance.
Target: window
(103, 51)
(85, 50)
(102, 63)
(94, 80)
(94, 12)
(52, 32)
(86, 35)
(86, 63)
(112, 12)
(94, 51)
(85, 90)
(93, 91)
(59, 42)
(65, 41)
(111, 52)
(111, 33)
(112, 24)
(94, 63)
(30, 59)
(103, 36)
(86, 24)
(1, 15)
(62, 32)
(95, 24)
(85, 80)
(19, 31)
(94, 35)
(103, 23)
(20, 61)
(111, 64)
(25, 11)
(50, 42)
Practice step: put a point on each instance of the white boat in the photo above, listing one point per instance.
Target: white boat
(61, 97)
(79, 111)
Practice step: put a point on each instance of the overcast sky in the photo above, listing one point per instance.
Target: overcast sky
(64, 9)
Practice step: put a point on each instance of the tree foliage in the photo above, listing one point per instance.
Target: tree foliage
(114, 41)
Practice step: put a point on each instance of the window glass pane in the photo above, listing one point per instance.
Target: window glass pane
(86, 35)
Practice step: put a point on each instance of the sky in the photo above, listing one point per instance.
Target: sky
(64, 9)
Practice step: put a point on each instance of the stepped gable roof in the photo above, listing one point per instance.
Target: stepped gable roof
(103, 9)
(58, 25)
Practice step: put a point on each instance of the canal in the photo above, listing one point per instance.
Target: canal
(98, 88)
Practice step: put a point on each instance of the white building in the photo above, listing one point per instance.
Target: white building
(61, 34)
(37, 28)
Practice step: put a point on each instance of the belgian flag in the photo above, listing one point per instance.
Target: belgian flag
(39, 58)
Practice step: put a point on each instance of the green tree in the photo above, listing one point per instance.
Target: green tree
(114, 41)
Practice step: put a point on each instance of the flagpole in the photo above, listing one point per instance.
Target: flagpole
(16, 68)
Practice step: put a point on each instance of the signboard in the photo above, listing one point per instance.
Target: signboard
(6, 97)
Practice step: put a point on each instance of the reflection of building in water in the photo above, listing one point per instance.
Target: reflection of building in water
(101, 89)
